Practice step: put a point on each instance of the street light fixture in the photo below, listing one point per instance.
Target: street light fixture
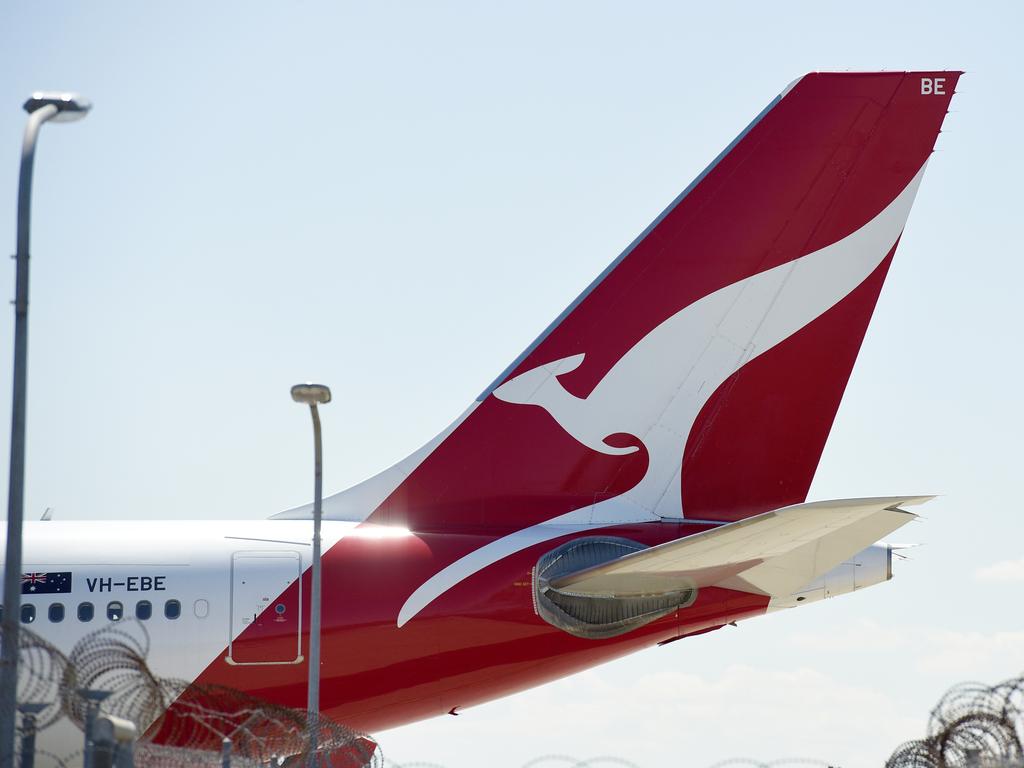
(314, 395)
(70, 106)
(42, 106)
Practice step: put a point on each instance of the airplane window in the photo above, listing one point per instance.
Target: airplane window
(28, 613)
(56, 612)
(201, 608)
(115, 611)
(143, 610)
(172, 609)
(85, 611)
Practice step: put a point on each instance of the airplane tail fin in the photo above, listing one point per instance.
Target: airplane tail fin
(699, 375)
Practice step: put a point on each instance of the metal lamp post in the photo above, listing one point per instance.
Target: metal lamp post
(314, 395)
(41, 107)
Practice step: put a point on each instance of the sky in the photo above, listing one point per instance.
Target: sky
(396, 198)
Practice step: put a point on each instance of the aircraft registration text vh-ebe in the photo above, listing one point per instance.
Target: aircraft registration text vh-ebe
(637, 475)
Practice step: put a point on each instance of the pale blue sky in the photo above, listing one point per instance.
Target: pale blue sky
(395, 198)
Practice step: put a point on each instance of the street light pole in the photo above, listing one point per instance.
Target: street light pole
(313, 395)
(60, 107)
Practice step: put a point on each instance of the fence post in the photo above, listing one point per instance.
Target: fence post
(28, 732)
(225, 753)
(112, 742)
(92, 707)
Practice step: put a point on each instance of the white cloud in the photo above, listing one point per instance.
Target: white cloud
(861, 635)
(972, 655)
(673, 717)
(947, 655)
(848, 691)
(1003, 572)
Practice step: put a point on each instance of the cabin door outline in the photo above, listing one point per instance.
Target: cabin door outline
(263, 603)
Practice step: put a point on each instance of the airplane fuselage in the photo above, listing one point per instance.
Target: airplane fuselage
(226, 602)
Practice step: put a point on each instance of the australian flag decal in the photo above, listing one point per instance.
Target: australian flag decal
(52, 583)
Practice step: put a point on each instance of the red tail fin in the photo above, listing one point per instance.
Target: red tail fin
(699, 375)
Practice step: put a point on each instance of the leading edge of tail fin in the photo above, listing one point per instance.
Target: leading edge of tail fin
(699, 375)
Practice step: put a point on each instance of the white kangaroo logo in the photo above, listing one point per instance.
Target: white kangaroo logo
(656, 390)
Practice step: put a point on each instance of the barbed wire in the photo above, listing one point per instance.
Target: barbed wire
(592, 762)
(783, 762)
(183, 724)
(180, 724)
(973, 725)
(41, 673)
(545, 761)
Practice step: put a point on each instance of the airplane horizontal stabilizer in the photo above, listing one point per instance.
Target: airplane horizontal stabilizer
(774, 553)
